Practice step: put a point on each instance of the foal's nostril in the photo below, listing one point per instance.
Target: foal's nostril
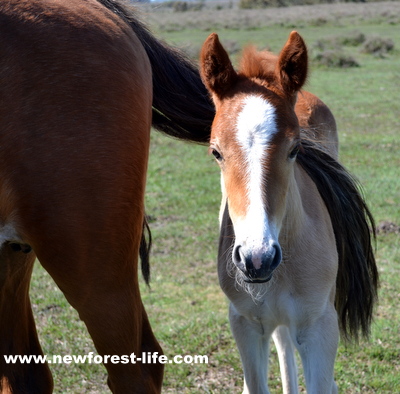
(277, 258)
(237, 258)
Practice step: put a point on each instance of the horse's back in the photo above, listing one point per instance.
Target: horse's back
(317, 121)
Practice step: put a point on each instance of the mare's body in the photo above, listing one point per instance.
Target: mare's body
(78, 82)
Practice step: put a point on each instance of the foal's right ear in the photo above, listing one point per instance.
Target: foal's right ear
(216, 69)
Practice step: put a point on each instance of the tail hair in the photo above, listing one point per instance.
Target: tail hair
(181, 104)
(144, 251)
(353, 224)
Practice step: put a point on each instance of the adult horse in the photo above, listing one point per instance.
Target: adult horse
(82, 81)
(295, 256)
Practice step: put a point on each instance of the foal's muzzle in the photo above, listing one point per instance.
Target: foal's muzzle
(257, 267)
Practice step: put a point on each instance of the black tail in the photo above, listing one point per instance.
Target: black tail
(181, 104)
(357, 279)
(144, 252)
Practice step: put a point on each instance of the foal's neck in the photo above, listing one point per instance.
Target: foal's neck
(295, 218)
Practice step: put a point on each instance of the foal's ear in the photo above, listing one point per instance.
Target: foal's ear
(292, 64)
(216, 69)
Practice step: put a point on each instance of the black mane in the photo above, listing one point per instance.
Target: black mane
(354, 228)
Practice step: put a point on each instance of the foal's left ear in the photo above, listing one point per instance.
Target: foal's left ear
(292, 64)
(216, 68)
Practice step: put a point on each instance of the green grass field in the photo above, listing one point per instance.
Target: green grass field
(186, 307)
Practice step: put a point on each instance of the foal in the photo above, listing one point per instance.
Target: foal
(295, 256)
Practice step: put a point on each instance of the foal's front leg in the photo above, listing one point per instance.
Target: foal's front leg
(317, 345)
(287, 361)
(253, 345)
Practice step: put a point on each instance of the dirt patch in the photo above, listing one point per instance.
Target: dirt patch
(216, 379)
(386, 227)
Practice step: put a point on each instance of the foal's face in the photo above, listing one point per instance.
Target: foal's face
(255, 141)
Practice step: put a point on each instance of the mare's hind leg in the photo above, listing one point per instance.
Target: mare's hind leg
(317, 345)
(102, 284)
(287, 362)
(17, 327)
(253, 345)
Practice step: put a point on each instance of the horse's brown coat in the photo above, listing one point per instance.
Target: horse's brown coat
(76, 97)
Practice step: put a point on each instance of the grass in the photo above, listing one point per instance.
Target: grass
(187, 309)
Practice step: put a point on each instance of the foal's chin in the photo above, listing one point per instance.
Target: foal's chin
(255, 288)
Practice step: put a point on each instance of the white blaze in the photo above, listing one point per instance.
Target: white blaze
(256, 125)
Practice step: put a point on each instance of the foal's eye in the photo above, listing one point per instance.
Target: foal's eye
(216, 154)
(294, 152)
